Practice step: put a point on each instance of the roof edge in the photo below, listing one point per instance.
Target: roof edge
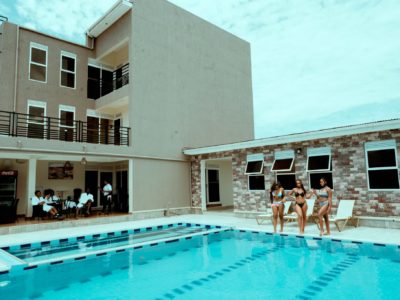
(299, 137)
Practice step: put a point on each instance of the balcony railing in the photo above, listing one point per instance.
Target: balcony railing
(97, 88)
(47, 128)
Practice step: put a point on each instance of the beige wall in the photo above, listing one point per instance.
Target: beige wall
(225, 180)
(7, 65)
(160, 184)
(66, 185)
(191, 79)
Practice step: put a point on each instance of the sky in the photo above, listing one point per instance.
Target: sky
(315, 63)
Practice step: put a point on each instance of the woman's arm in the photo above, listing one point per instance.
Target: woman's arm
(283, 194)
(329, 200)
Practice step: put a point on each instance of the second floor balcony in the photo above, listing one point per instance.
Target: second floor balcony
(102, 82)
(48, 128)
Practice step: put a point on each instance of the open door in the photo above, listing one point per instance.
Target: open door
(213, 194)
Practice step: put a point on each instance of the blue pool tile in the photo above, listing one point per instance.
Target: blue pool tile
(317, 238)
(136, 230)
(178, 291)
(149, 228)
(57, 262)
(25, 246)
(80, 258)
(105, 274)
(326, 278)
(172, 241)
(303, 297)
(187, 287)
(218, 273)
(120, 250)
(226, 270)
(124, 268)
(320, 283)
(153, 244)
(212, 277)
(62, 288)
(239, 264)
(180, 224)
(30, 267)
(169, 296)
(309, 293)
(372, 257)
(35, 296)
(111, 234)
(80, 238)
(4, 272)
(356, 242)
(379, 244)
(197, 282)
(204, 279)
(96, 236)
(138, 247)
(85, 280)
(124, 232)
(188, 238)
(101, 254)
(5, 248)
(159, 227)
(314, 288)
(46, 243)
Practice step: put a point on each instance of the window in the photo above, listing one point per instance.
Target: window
(68, 69)
(100, 82)
(288, 181)
(67, 114)
(319, 165)
(255, 164)
(256, 183)
(382, 168)
(319, 159)
(36, 119)
(283, 161)
(38, 62)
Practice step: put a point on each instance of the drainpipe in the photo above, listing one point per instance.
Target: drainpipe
(16, 72)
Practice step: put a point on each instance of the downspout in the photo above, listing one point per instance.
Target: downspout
(16, 72)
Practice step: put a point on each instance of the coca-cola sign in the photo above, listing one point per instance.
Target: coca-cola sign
(8, 173)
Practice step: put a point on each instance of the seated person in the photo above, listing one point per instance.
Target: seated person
(85, 200)
(39, 200)
(69, 203)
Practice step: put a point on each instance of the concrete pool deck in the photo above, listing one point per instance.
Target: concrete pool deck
(367, 234)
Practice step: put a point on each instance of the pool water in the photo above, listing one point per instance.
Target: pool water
(98, 242)
(226, 265)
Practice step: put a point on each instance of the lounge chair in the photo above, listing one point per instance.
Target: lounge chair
(310, 209)
(265, 217)
(343, 215)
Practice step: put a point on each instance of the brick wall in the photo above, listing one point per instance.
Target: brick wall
(348, 172)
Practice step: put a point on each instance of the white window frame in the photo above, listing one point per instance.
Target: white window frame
(253, 158)
(376, 146)
(40, 104)
(283, 173)
(66, 108)
(322, 151)
(281, 155)
(248, 183)
(69, 55)
(40, 47)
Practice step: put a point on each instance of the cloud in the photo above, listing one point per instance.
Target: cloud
(314, 59)
(68, 19)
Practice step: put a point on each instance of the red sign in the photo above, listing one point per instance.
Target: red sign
(8, 173)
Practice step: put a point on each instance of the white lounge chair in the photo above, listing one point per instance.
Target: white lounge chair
(265, 217)
(310, 209)
(343, 215)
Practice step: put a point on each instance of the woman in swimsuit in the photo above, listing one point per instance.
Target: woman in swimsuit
(300, 195)
(324, 198)
(277, 194)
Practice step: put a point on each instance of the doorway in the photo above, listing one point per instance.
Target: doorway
(122, 191)
(213, 193)
(92, 183)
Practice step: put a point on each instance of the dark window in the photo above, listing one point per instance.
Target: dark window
(382, 158)
(38, 72)
(36, 122)
(38, 56)
(383, 179)
(288, 181)
(256, 182)
(320, 162)
(282, 164)
(68, 63)
(68, 79)
(67, 118)
(93, 88)
(315, 178)
(254, 167)
(107, 85)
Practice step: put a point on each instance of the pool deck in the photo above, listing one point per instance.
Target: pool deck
(366, 234)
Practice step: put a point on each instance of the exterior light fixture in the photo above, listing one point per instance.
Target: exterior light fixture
(298, 150)
(83, 161)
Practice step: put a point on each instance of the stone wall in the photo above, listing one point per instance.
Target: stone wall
(348, 173)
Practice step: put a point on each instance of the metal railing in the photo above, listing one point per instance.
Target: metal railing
(97, 88)
(48, 128)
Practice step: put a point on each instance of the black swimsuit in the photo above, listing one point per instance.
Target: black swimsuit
(299, 195)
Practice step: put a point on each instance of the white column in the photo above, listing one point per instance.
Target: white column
(31, 181)
(203, 185)
(130, 185)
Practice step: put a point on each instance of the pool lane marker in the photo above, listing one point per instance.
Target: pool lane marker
(198, 283)
(326, 278)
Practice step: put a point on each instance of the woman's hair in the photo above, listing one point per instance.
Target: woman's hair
(302, 186)
(276, 185)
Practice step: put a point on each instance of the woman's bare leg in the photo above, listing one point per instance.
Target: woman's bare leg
(281, 216)
(328, 230)
(322, 211)
(299, 217)
(304, 210)
(275, 213)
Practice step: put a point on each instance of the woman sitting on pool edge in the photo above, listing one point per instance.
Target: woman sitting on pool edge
(277, 195)
(300, 196)
(324, 199)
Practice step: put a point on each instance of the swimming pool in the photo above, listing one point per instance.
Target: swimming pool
(220, 265)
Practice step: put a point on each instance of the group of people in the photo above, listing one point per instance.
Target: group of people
(53, 205)
(299, 194)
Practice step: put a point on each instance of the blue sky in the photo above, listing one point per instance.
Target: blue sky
(316, 64)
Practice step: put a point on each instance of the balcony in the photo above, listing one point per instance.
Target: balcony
(102, 82)
(47, 128)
